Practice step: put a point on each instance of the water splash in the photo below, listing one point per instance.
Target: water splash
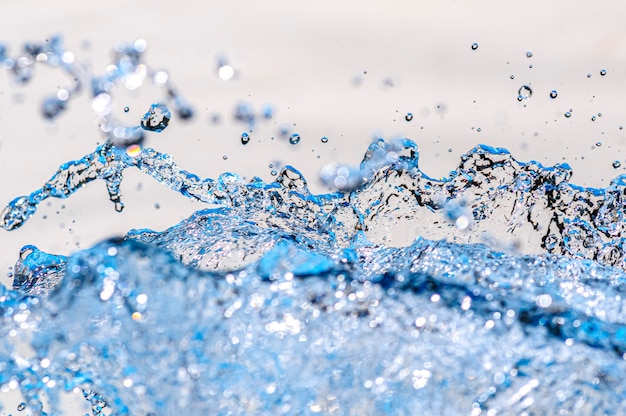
(497, 288)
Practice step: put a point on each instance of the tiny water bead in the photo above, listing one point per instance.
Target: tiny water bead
(603, 72)
(126, 109)
(568, 114)
(617, 164)
(156, 118)
(529, 54)
(294, 138)
(226, 72)
(324, 139)
(21, 406)
(524, 92)
(408, 117)
(475, 46)
(554, 94)
(245, 138)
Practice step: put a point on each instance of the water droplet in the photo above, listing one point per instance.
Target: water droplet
(21, 406)
(408, 117)
(474, 46)
(324, 139)
(553, 94)
(226, 72)
(157, 205)
(126, 109)
(616, 164)
(52, 107)
(599, 114)
(133, 150)
(294, 139)
(512, 76)
(589, 75)
(529, 54)
(593, 118)
(225, 157)
(245, 138)
(268, 111)
(125, 137)
(603, 72)
(524, 92)
(273, 172)
(598, 144)
(479, 129)
(245, 113)
(568, 114)
(157, 118)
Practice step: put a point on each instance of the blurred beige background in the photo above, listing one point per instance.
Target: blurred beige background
(308, 59)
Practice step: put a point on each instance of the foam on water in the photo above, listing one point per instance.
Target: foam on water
(495, 289)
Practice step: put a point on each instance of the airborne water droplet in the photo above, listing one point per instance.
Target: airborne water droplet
(616, 164)
(408, 117)
(126, 109)
(294, 139)
(52, 107)
(474, 46)
(245, 138)
(21, 406)
(324, 139)
(603, 72)
(529, 54)
(553, 94)
(524, 93)
(157, 118)
(568, 114)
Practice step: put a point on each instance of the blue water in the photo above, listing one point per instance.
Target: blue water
(495, 290)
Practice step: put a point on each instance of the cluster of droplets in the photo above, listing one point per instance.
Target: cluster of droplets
(246, 114)
(50, 53)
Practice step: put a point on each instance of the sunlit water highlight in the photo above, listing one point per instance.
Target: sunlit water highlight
(494, 290)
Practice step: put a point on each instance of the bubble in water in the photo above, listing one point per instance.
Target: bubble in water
(529, 54)
(126, 109)
(408, 117)
(245, 138)
(294, 139)
(554, 94)
(603, 72)
(524, 92)
(21, 406)
(616, 164)
(324, 139)
(157, 118)
(474, 46)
